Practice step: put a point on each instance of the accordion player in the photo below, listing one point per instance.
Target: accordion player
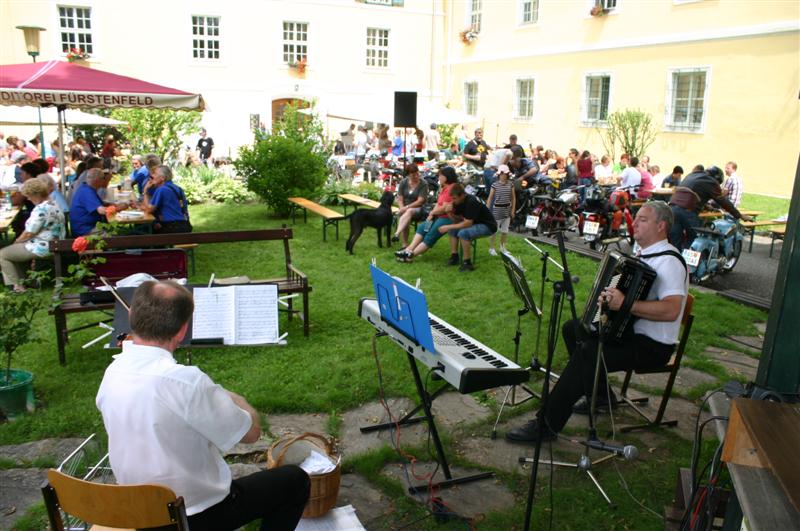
(647, 339)
(632, 277)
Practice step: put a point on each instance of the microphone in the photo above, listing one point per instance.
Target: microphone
(629, 452)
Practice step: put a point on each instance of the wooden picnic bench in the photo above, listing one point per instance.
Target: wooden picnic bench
(293, 282)
(776, 234)
(329, 217)
(751, 226)
(362, 201)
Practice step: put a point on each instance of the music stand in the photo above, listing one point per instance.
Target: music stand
(516, 275)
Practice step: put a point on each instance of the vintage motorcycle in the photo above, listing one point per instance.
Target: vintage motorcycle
(715, 249)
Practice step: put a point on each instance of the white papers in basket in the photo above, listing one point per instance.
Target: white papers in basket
(316, 463)
(338, 519)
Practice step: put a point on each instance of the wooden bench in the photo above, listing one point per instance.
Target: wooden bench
(751, 226)
(776, 234)
(293, 282)
(329, 217)
(362, 201)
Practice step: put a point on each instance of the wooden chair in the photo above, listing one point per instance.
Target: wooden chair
(111, 506)
(670, 368)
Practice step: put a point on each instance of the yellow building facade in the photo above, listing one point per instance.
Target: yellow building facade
(720, 78)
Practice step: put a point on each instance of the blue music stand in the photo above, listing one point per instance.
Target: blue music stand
(403, 306)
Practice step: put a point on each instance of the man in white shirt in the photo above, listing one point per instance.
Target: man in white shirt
(433, 140)
(631, 177)
(649, 343)
(169, 424)
(733, 187)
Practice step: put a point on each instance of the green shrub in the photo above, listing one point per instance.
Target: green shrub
(330, 192)
(370, 191)
(225, 189)
(208, 175)
(277, 168)
(194, 188)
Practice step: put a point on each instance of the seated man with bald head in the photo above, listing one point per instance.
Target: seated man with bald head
(170, 424)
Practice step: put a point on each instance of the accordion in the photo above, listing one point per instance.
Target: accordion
(629, 275)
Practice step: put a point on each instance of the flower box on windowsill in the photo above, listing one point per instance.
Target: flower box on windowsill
(300, 66)
(598, 11)
(77, 55)
(468, 36)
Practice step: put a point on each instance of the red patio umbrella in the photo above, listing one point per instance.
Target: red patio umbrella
(66, 84)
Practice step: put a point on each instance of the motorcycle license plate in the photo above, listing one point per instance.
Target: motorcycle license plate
(591, 227)
(692, 257)
(531, 222)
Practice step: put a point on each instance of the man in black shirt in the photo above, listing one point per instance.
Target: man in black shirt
(476, 149)
(204, 146)
(476, 221)
(689, 199)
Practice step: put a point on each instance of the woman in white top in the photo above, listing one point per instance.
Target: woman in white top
(45, 223)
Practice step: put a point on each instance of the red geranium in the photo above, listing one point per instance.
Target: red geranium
(80, 244)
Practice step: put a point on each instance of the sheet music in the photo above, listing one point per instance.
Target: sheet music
(213, 314)
(256, 314)
(338, 519)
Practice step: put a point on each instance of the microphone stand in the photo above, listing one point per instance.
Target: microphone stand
(560, 289)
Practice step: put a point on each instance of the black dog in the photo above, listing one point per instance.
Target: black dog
(379, 218)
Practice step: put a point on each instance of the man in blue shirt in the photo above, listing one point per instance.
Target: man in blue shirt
(141, 176)
(87, 208)
(166, 202)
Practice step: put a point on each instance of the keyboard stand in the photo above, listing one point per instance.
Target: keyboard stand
(426, 401)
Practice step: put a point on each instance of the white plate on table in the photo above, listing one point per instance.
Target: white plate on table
(130, 214)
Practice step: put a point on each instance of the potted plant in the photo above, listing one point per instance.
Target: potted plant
(16, 385)
(299, 65)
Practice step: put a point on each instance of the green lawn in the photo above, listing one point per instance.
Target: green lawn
(333, 370)
(772, 207)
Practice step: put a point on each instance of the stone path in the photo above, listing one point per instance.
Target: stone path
(461, 418)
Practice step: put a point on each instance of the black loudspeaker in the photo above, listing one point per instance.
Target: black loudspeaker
(405, 109)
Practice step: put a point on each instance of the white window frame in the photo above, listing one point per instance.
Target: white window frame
(516, 115)
(75, 31)
(474, 14)
(295, 54)
(377, 48)
(585, 120)
(669, 107)
(467, 97)
(534, 12)
(205, 37)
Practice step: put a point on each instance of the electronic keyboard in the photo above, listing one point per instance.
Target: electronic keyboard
(463, 362)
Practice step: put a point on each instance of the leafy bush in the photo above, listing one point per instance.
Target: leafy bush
(277, 168)
(446, 131)
(225, 189)
(203, 184)
(330, 192)
(369, 190)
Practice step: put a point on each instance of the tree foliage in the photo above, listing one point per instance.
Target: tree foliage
(279, 167)
(631, 129)
(304, 128)
(446, 131)
(157, 131)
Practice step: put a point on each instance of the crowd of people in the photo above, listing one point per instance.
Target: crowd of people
(85, 203)
(509, 167)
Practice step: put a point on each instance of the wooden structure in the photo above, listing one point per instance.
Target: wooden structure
(670, 368)
(294, 280)
(112, 506)
(329, 217)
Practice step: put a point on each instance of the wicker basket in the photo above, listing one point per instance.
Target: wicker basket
(324, 487)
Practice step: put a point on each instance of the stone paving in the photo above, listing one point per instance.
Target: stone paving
(461, 418)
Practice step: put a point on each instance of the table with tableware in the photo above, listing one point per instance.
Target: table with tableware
(6, 217)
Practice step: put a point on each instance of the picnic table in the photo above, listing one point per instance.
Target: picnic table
(125, 219)
(663, 191)
(363, 201)
(714, 214)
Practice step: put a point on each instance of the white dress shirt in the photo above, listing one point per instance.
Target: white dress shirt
(168, 424)
(671, 279)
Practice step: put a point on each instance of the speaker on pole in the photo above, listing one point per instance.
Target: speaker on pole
(405, 109)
